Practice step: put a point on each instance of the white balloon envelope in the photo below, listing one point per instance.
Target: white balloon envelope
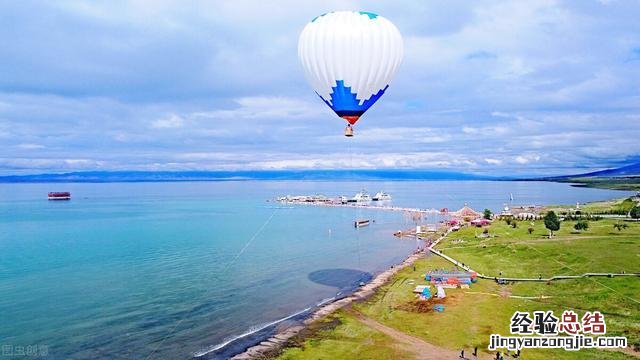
(349, 58)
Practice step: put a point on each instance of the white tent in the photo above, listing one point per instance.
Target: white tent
(440, 294)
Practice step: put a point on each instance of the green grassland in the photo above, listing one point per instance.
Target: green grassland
(614, 183)
(616, 206)
(472, 315)
(340, 336)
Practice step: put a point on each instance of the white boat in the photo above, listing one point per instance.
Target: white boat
(382, 196)
(319, 198)
(362, 196)
(361, 223)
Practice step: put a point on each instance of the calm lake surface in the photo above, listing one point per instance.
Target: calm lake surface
(167, 270)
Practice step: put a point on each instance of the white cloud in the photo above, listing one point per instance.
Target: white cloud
(31, 146)
(267, 107)
(173, 121)
(526, 159)
(46, 164)
(424, 160)
(486, 130)
(405, 134)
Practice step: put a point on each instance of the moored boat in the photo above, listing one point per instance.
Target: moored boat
(362, 196)
(59, 195)
(382, 196)
(361, 223)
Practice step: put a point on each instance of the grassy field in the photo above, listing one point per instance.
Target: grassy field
(340, 336)
(471, 315)
(614, 183)
(616, 206)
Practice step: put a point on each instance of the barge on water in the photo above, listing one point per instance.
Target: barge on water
(59, 195)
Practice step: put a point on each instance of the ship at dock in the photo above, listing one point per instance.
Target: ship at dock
(382, 196)
(361, 197)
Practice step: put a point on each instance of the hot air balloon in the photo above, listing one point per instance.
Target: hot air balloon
(349, 58)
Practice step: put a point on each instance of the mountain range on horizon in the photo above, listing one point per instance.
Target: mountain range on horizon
(628, 170)
(151, 176)
(632, 170)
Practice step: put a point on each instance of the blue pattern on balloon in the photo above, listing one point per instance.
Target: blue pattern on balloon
(344, 102)
(369, 14)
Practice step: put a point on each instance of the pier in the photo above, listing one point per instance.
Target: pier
(324, 201)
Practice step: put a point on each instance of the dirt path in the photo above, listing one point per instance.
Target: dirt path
(420, 348)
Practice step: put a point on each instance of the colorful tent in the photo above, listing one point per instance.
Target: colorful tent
(426, 293)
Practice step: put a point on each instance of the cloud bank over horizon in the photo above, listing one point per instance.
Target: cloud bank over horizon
(488, 87)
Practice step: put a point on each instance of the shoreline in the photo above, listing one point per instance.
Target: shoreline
(280, 339)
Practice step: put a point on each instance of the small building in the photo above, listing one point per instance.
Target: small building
(526, 212)
(527, 216)
(506, 212)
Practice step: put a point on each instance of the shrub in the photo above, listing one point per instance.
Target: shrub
(581, 225)
(620, 226)
(530, 230)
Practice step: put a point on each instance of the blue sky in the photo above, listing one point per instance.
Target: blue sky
(504, 87)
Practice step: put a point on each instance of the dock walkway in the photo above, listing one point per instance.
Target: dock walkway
(366, 206)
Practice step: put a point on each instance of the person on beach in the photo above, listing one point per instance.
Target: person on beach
(462, 354)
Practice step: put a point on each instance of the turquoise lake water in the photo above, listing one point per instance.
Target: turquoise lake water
(168, 270)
